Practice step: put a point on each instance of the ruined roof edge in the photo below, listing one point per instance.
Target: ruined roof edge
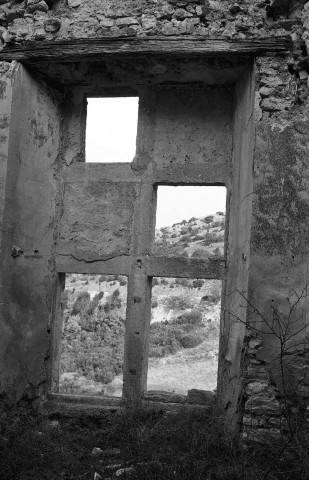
(72, 50)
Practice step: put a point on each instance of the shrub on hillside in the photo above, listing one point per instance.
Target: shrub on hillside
(81, 303)
(193, 317)
(185, 238)
(184, 282)
(167, 338)
(176, 302)
(92, 345)
(93, 304)
(198, 283)
(211, 238)
(199, 252)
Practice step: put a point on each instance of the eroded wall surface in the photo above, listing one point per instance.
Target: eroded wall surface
(28, 238)
(276, 388)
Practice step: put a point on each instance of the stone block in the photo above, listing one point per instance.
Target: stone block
(149, 21)
(74, 3)
(126, 21)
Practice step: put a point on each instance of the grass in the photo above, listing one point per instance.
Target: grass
(179, 445)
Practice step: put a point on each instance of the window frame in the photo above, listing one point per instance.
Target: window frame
(142, 266)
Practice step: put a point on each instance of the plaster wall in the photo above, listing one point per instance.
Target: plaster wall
(7, 76)
(29, 215)
(190, 131)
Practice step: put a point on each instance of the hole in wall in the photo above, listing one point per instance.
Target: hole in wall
(184, 335)
(92, 345)
(190, 221)
(111, 129)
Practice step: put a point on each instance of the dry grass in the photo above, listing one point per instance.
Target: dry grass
(184, 445)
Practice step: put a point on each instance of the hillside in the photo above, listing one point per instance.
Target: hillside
(184, 327)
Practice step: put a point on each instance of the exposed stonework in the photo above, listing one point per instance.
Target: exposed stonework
(32, 19)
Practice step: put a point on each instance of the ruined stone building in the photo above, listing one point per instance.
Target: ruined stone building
(236, 71)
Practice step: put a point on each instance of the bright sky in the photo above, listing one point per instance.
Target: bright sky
(111, 136)
(111, 129)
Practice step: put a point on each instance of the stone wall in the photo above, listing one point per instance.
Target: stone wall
(276, 378)
(41, 20)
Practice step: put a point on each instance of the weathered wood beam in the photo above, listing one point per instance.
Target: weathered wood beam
(98, 48)
(212, 268)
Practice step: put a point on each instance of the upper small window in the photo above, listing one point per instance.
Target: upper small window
(111, 129)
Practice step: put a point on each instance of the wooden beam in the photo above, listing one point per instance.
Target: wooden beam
(181, 267)
(203, 174)
(98, 48)
(155, 266)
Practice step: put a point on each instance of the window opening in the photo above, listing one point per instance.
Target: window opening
(190, 221)
(91, 359)
(111, 129)
(184, 334)
(185, 312)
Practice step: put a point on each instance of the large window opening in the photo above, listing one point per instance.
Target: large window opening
(185, 314)
(184, 335)
(94, 312)
(111, 129)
